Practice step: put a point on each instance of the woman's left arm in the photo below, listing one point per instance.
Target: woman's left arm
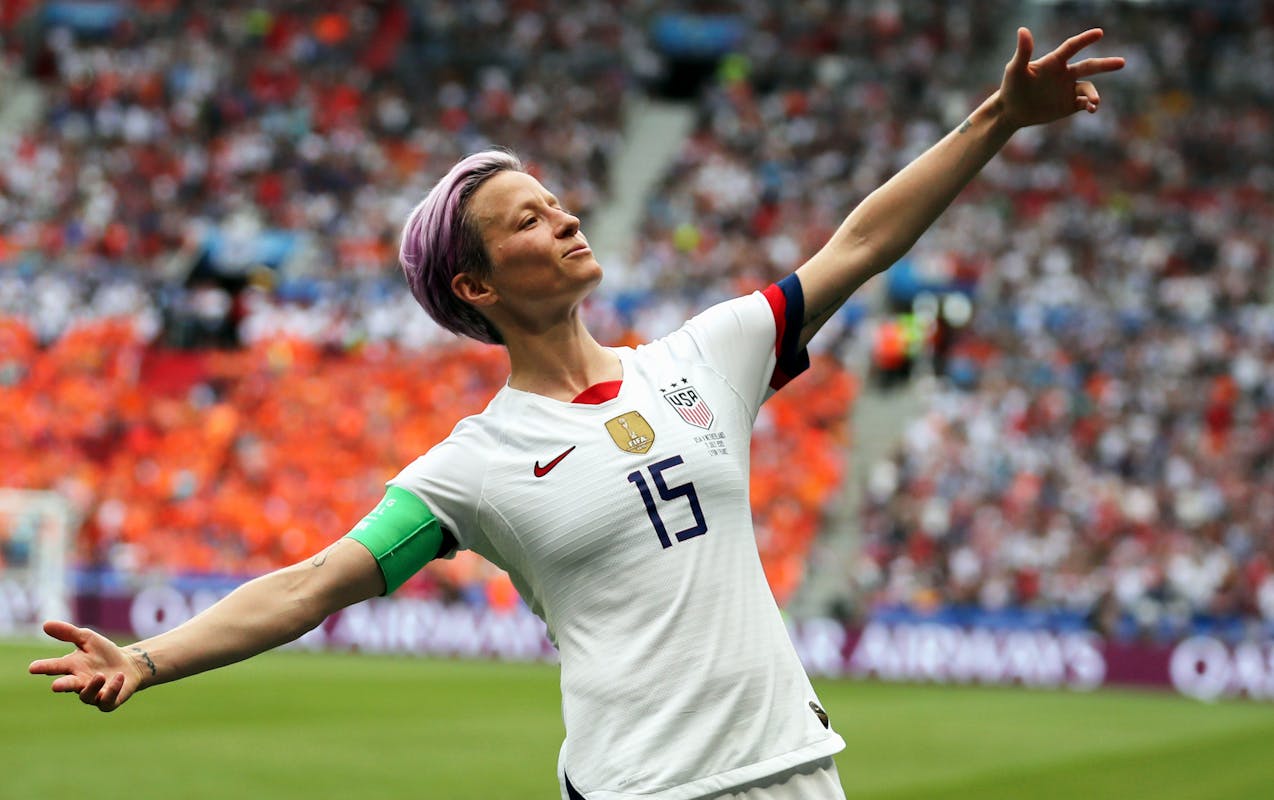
(890, 220)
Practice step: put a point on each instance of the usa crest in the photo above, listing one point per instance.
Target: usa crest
(690, 405)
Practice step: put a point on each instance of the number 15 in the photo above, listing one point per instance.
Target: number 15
(668, 494)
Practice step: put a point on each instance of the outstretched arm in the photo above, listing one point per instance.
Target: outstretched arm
(261, 614)
(890, 220)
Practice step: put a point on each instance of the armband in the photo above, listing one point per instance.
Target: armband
(403, 535)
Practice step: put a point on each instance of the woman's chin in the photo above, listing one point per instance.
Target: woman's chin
(591, 273)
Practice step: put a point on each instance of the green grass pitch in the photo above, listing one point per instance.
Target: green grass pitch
(310, 726)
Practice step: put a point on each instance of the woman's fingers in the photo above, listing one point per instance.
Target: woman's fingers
(1086, 97)
(51, 666)
(78, 671)
(66, 632)
(70, 683)
(1025, 45)
(1067, 49)
(105, 693)
(82, 638)
(108, 698)
(1095, 66)
(88, 695)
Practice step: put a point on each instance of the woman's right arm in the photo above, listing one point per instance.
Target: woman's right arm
(259, 615)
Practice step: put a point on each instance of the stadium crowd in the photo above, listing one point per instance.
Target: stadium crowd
(239, 461)
(272, 140)
(180, 128)
(1103, 445)
(1101, 441)
(818, 106)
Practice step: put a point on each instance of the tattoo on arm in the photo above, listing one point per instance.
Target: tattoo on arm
(321, 558)
(811, 316)
(828, 308)
(146, 658)
(964, 126)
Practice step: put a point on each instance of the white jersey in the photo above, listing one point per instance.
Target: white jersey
(625, 525)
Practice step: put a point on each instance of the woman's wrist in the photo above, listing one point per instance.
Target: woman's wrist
(995, 115)
(139, 658)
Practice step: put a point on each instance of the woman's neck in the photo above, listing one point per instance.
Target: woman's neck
(560, 362)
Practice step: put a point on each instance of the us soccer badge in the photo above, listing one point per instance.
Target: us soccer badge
(631, 433)
(689, 404)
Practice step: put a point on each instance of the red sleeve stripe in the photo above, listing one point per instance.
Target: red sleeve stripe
(787, 302)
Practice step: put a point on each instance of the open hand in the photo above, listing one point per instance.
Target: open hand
(1048, 89)
(98, 670)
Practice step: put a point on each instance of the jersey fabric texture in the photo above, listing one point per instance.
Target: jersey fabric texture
(818, 780)
(625, 525)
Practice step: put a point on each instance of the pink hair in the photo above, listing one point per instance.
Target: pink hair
(440, 241)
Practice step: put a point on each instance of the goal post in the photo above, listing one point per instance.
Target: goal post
(36, 530)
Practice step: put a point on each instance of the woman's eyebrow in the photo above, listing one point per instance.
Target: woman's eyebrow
(529, 203)
(520, 209)
(509, 217)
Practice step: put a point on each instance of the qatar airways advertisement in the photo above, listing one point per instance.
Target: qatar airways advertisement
(1201, 667)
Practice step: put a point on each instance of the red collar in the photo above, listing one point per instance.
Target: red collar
(599, 393)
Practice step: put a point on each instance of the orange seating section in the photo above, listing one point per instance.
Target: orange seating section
(246, 460)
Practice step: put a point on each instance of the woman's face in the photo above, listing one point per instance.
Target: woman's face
(539, 258)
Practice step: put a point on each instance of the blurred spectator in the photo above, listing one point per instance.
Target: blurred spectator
(270, 151)
(242, 461)
(284, 135)
(1100, 444)
(1103, 441)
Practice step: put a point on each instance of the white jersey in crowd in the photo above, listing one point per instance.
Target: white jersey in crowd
(623, 520)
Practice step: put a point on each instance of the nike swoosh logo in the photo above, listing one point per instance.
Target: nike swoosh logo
(540, 472)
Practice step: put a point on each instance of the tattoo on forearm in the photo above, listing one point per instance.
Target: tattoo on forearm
(813, 316)
(964, 126)
(145, 657)
(321, 558)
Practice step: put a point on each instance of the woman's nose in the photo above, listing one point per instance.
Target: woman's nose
(568, 224)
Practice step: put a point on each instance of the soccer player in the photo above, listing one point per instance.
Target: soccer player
(611, 483)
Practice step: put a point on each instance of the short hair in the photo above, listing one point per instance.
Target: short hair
(441, 240)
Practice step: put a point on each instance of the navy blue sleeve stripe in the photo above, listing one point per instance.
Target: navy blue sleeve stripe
(792, 358)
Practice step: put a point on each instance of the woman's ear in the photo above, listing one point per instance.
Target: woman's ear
(472, 290)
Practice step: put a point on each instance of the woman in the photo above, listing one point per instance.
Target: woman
(610, 483)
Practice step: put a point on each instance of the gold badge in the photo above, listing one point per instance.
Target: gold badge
(631, 432)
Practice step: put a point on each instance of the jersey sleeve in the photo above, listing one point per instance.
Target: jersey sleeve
(754, 341)
(448, 479)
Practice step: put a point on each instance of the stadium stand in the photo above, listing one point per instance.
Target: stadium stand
(203, 329)
(239, 461)
(1097, 452)
(1101, 447)
(265, 132)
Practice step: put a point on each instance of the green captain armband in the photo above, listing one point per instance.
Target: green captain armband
(402, 533)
